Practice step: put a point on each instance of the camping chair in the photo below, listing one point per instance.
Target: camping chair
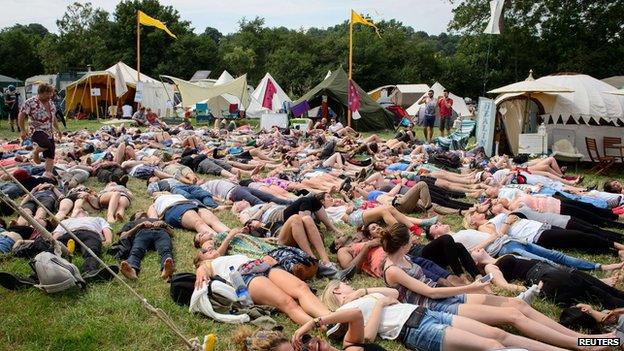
(603, 163)
(564, 151)
(613, 144)
(231, 113)
(459, 138)
(202, 114)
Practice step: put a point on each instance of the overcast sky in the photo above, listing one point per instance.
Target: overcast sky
(431, 16)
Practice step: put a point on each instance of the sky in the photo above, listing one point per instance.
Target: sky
(431, 16)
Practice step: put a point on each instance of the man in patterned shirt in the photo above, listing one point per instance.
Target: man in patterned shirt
(40, 111)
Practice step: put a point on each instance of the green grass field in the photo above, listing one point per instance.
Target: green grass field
(107, 317)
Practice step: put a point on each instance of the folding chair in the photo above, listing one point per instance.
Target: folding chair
(202, 114)
(613, 143)
(459, 138)
(603, 163)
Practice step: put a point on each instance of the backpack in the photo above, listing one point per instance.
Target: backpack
(55, 274)
(295, 261)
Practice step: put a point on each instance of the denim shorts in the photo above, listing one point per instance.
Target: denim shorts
(173, 215)
(6, 244)
(429, 336)
(356, 218)
(448, 305)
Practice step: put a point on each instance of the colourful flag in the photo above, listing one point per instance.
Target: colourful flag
(356, 18)
(267, 102)
(149, 21)
(354, 97)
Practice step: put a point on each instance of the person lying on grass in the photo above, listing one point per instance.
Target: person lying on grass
(407, 277)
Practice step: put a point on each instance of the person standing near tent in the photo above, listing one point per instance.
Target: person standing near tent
(11, 99)
(445, 106)
(430, 114)
(40, 111)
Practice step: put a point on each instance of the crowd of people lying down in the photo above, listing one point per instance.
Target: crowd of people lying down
(380, 203)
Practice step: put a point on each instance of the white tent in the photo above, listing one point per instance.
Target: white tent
(459, 105)
(192, 93)
(591, 110)
(256, 108)
(406, 95)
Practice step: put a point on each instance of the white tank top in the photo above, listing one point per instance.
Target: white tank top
(163, 202)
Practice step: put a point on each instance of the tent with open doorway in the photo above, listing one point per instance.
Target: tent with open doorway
(373, 116)
(116, 86)
(267, 97)
(588, 111)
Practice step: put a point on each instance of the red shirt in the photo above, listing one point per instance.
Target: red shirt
(445, 111)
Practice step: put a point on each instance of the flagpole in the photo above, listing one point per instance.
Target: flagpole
(350, 68)
(138, 47)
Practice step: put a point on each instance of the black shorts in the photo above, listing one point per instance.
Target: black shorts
(45, 142)
(13, 114)
(47, 201)
(429, 121)
(445, 123)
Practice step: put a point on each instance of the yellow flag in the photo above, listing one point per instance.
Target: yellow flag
(149, 21)
(356, 18)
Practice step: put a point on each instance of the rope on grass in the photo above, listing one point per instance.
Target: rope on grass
(193, 344)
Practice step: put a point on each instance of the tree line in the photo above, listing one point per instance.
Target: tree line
(547, 36)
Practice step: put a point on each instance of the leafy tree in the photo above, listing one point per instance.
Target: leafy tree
(18, 49)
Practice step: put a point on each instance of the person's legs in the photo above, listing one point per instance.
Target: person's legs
(65, 206)
(91, 240)
(264, 292)
(142, 241)
(267, 197)
(163, 245)
(113, 203)
(298, 290)
(573, 239)
(120, 153)
(192, 221)
(293, 233)
(417, 197)
(213, 221)
(123, 204)
(581, 225)
(314, 237)
(533, 251)
(490, 333)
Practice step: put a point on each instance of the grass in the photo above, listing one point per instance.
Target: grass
(107, 317)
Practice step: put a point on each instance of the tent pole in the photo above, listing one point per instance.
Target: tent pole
(168, 97)
(71, 103)
(350, 70)
(84, 89)
(138, 47)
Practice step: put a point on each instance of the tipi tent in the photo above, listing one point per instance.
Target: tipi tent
(459, 105)
(616, 81)
(5, 81)
(588, 111)
(373, 116)
(117, 85)
(268, 96)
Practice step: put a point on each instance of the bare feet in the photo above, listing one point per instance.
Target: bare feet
(611, 267)
(128, 271)
(168, 269)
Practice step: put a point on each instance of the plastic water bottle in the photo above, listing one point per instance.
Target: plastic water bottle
(241, 289)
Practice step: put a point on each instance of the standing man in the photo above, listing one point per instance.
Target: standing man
(430, 114)
(445, 106)
(40, 111)
(11, 99)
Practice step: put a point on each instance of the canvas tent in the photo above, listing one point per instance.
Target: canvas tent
(193, 93)
(117, 85)
(588, 111)
(406, 95)
(373, 116)
(5, 81)
(459, 105)
(616, 81)
(267, 97)
(381, 92)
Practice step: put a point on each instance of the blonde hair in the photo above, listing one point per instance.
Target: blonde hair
(261, 340)
(467, 223)
(327, 296)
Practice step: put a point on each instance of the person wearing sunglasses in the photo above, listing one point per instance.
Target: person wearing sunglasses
(302, 340)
